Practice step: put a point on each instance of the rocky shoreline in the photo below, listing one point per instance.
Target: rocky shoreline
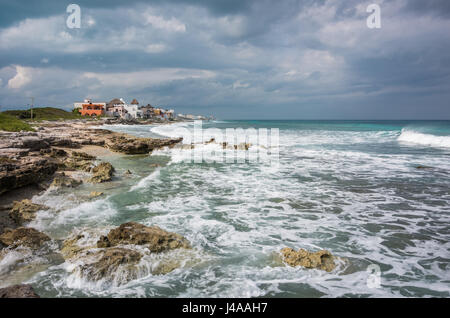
(32, 162)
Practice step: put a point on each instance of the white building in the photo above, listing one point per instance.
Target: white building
(132, 109)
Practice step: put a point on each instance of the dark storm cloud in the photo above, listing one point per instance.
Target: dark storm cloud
(260, 58)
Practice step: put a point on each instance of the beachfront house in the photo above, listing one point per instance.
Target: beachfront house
(147, 111)
(115, 108)
(133, 109)
(119, 108)
(89, 108)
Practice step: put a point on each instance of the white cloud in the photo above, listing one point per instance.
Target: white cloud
(238, 84)
(160, 23)
(155, 48)
(22, 77)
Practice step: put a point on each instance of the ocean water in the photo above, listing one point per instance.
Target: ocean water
(371, 192)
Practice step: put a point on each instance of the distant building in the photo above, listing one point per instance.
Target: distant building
(88, 108)
(147, 111)
(133, 109)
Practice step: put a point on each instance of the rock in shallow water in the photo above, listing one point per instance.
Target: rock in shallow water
(102, 172)
(95, 194)
(320, 260)
(128, 252)
(135, 145)
(23, 236)
(25, 211)
(154, 238)
(113, 262)
(18, 291)
(63, 181)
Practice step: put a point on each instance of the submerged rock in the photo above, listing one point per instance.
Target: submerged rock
(320, 260)
(154, 238)
(95, 194)
(25, 211)
(18, 291)
(23, 236)
(102, 173)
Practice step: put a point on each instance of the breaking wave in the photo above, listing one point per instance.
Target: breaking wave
(410, 136)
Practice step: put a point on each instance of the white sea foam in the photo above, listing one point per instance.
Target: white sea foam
(418, 138)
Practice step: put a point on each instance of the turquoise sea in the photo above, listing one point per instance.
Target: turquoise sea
(372, 192)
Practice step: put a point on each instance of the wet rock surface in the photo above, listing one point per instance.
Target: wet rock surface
(320, 260)
(154, 238)
(102, 172)
(133, 251)
(25, 211)
(63, 181)
(135, 145)
(23, 236)
(113, 262)
(18, 291)
(95, 194)
(79, 161)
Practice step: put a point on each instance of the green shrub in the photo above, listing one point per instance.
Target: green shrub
(11, 123)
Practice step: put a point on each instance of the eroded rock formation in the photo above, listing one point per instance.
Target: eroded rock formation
(23, 236)
(18, 291)
(25, 211)
(320, 260)
(154, 238)
(102, 172)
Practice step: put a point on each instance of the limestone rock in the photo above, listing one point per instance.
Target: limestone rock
(242, 146)
(321, 260)
(113, 261)
(18, 291)
(95, 194)
(154, 238)
(62, 180)
(79, 161)
(135, 145)
(102, 173)
(25, 211)
(23, 236)
(71, 248)
(25, 171)
(57, 153)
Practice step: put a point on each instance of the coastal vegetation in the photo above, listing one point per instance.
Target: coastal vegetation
(44, 113)
(12, 123)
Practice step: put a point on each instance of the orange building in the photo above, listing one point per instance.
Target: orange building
(90, 109)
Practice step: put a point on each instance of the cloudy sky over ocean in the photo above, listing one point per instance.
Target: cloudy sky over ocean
(232, 58)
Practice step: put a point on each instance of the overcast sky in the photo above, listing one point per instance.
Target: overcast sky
(232, 58)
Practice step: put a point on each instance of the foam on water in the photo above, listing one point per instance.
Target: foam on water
(418, 138)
